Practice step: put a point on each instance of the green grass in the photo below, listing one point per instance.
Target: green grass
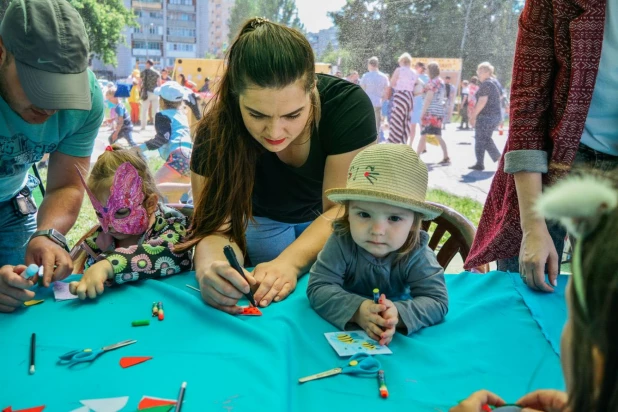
(468, 207)
(87, 218)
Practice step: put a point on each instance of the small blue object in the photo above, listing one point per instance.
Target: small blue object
(88, 355)
(31, 270)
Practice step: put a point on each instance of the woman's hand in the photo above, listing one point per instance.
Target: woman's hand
(276, 280)
(537, 248)
(544, 401)
(222, 286)
(391, 316)
(477, 402)
(92, 282)
(368, 317)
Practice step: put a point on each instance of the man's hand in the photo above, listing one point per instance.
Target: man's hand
(13, 288)
(56, 262)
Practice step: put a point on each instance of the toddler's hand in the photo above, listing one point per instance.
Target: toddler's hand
(91, 284)
(391, 316)
(368, 317)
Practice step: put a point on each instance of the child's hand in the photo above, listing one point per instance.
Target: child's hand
(478, 401)
(368, 317)
(91, 284)
(391, 316)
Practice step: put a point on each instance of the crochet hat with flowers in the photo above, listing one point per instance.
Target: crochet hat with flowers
(388, 173)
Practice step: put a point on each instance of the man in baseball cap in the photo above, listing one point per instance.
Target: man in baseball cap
(49, 43)
(49, 103)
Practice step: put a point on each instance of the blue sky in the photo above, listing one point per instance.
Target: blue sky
(312, 13)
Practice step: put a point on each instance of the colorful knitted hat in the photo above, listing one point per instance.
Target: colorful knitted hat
(388, 173)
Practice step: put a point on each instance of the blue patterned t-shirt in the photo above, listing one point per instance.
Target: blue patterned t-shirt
(71, 132)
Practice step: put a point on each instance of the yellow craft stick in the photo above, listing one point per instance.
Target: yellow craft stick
(33, 302)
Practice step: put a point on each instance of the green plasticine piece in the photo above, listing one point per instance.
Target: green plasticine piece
(140, 323)
(162, 408)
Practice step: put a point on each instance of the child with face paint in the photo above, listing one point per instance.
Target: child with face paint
(589, 344)
(136, 236)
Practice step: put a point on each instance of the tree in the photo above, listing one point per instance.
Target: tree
(474, 30)
(279, 11)
(104, 21)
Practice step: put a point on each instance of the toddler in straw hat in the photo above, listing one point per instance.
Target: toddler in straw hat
(378, 243)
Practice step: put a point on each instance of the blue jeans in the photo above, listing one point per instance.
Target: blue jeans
(15, 231)
(268, 238)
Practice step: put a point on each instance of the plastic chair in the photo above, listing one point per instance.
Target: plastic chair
(461, 233)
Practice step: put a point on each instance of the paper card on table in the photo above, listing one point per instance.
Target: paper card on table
(35, 409)
(106, 404)
(82, 409)
(162, 408)
(150, 402)
(33, 302)
(351, 343)
(61, 291)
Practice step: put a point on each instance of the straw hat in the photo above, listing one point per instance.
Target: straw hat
(388, 173)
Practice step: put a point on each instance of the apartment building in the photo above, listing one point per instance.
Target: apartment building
(168, 29)
(218, 35)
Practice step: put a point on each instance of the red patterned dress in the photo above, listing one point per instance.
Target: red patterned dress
(554, 72)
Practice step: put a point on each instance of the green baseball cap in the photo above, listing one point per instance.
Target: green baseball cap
(49, 42)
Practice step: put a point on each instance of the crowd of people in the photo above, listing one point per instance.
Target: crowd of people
(420, 96)
(285, 170)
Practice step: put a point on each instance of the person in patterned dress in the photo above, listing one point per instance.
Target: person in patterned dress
(136, 236)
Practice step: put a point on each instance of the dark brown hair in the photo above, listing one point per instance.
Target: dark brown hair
(341, 227)
(266, 55)
(597, 326)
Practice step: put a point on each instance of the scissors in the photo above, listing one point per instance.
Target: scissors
(88, 355)
(360, 364)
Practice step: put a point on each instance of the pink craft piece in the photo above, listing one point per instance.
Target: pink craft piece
(126, 193)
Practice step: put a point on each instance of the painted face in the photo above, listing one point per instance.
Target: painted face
(276, 117)
(124, 210)
(379, 228)
(14, 95)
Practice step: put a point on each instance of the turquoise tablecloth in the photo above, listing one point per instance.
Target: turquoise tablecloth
(489, 340)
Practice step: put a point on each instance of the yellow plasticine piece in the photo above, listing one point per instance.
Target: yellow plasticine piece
(33, 302)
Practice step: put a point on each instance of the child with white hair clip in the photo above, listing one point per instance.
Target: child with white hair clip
(378, 243)
(589, 343)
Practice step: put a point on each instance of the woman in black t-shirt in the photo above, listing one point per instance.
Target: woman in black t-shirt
(274, 139)
(486, 115)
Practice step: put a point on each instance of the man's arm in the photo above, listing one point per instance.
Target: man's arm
(64, 192)
(59, 210)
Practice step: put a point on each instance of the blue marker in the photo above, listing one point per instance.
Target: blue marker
(376, 295)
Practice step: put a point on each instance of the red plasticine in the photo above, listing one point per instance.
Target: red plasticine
(35, 409)
(133, 360)
(251, 311)
(146, 403)
(7, 409)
